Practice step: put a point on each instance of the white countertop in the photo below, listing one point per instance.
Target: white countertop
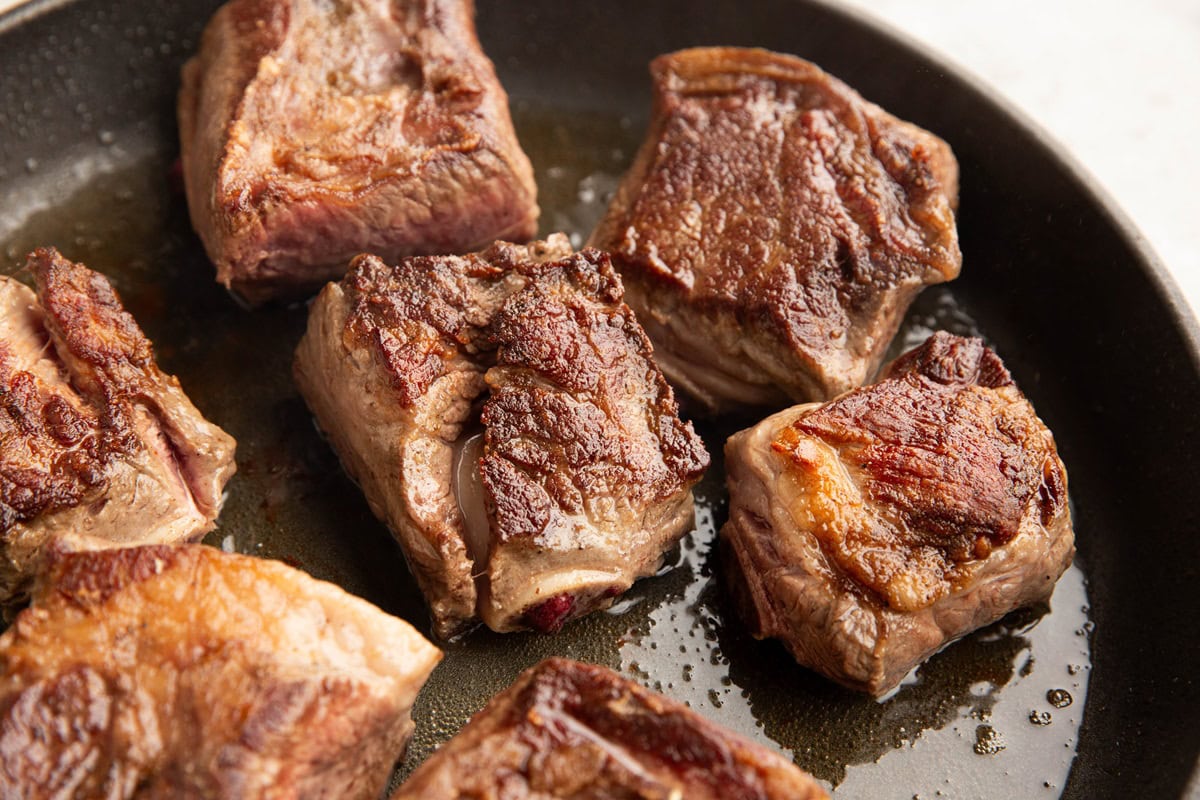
(1118, 86)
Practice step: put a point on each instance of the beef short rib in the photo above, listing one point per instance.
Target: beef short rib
(504, 416)
(182, 671)
(774, 228)
(98, 448)
(313, 131)
(579, 732)
(869, 531)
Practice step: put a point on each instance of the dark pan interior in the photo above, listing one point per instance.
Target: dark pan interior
(1069, 295)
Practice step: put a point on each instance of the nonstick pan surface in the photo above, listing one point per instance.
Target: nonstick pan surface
(1053, 277)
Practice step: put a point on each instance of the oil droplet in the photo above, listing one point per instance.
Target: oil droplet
(1059, 698)
(988, 741)
(1039, 717)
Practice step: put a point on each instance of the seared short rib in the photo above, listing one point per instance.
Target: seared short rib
(774, 228)
(98, 448)
(504, 417)
(869, 531)
(182, 671)
(313, 131)
(574, 731)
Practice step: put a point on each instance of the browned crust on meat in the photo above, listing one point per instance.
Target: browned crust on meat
(953, 361)
(112, 363)
(565, 337)
(112, 358)
(418, 317)
(410, 335)
(951, 451)
(869, 531)
(52, 453)
(60, 442)
(185, 672)
(573, 731)
(86, 584)
(751, 206)
(560, 334)
(584, 450)
(406, 145)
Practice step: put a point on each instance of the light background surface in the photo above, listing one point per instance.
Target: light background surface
(1116, 83)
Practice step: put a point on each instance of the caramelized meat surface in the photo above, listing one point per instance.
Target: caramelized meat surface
(775, 226)
(575, 731)
(98, 448)
(314, 131)
(868, 531)
(504, 417)
(181, 671)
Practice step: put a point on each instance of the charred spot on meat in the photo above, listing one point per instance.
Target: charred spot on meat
(869, 531)
(504, 416)
(182, 671)
(98, 448)
(774, 228)
(314, 131)
(578, 732)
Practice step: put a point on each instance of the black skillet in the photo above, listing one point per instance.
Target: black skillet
(1054, 277)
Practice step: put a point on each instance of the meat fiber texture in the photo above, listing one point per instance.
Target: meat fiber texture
(571, 731)
(184, 672)
(775, 227)
(869, 531)
(504, 416)
(98, 448)
(314, 131)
